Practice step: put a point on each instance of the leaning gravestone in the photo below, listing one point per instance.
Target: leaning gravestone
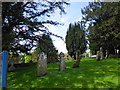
(12, 67)
(78, 58)
(42, 64)
(98, 56)
(62, 65)
(101, 53)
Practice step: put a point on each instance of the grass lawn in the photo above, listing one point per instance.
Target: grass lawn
(90, 74)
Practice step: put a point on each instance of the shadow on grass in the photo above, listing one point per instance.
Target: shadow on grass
(90, 74)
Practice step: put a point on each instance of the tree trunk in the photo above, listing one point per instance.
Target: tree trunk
(74, 56)
(76, 64)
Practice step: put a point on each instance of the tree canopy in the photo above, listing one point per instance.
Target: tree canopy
(21, 21)
(45, 45)
(104, 26)
(75, 39)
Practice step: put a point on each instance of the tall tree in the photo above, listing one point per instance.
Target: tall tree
(21, 21)
(45, 45)
(76, 41)
(104, 27)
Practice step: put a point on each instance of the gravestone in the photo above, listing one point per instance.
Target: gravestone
(76, 64)
(101, 53)
(106, 54)
(62, 65)
(12, 67)
(98, 56)
(78, 57)
(42, 64)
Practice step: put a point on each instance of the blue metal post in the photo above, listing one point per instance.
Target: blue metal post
(4, 68)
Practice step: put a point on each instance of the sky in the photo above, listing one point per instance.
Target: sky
(73, 14)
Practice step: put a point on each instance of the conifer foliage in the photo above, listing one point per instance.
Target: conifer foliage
(75, 40)
(22, 20)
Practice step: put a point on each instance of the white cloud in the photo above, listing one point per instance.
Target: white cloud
(60, 45)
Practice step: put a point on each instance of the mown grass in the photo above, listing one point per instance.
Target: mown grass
(90, 74)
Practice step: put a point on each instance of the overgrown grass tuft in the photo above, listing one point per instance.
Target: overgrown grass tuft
(90, 74)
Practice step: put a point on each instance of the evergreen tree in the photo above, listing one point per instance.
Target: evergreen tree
(104, 27)
(76, 41)
(21, 21)
(45, 45)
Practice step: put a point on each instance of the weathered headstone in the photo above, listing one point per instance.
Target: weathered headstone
(98, 56)
(106, 54)
(12, 67)
(78, 58)
(62, 65)
(42, 64)
(101, 53)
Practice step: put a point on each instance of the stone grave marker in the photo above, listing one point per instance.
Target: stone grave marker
(62, 65)
(12, 67)
(42, 64)
(106, 54)
(101, 53)
(98, 56)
